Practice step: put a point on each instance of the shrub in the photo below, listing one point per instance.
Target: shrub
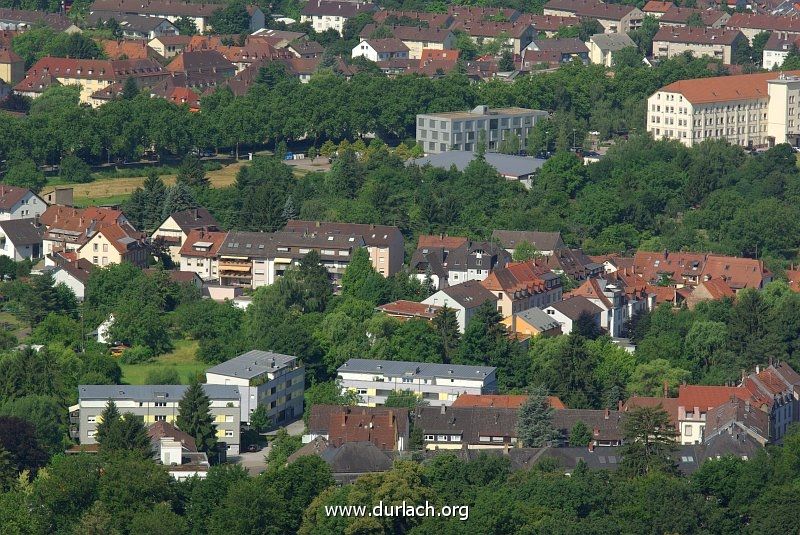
(137, 355)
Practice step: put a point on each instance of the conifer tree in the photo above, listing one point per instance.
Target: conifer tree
(194, 417)
(535, 420)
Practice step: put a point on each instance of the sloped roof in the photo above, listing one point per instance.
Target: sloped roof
(373, 235)
(567, 45)
(470, 422)
(441, 241)
(538, 318)
(603, 424)
(200, 61)
(210, 242)
(500, 401)
(656, 6)
(410, 33)
(194, 218)
(724, 88)
(414, 309)
(380, 425)
(469, 294)
(388, 45)
(680, 15)
(543, 241)
(23, 231)
(519, 277)
(612, 41)
(159, 430)
(697, 36)
(762, 21)
(356, 458)
(11, 195)
(573, 307)
(321, 8)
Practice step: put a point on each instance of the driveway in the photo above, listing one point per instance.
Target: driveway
(253, 462)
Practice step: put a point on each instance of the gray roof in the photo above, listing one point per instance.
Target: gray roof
(152, 392)
(612, 41)
(23, 231)
(505, 164)
(194, 218)
(252, 364)
(573, 307)
(608, 424)
(539, 319)
(265, 244)
(543, 241)
(469, 294)
(469, 422)
(399, 368)
(127, 21)
(373, 235)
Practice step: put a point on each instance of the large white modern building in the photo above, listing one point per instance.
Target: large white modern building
(460, 130)
(154, 403)
(264, 378)
(438, 384)
(750, 110)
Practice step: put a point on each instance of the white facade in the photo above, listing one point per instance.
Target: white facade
(61, 276)
(30, 205)
(205, 267)
(773, 58)
(365, 49)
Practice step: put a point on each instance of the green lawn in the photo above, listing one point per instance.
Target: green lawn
(182, 359)
(19, 328)
(111, 200)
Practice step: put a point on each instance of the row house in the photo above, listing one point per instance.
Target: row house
(545, 243)
(133, 26)
(171, 234)
(68, 229)
(384, 243)
(763, 404)
(25, 19)
(615, 18)
(386, 428)
(523, 285)
(415, 38)
(681, 16)
(690, 269)
(91, 75)
(331, 15)
(154, 403)
(254, 259)
(716, 43)
(413, 18)
(514, 36)
(437, 384)
(446, 261)
(199, 13)
(566, 50)
(752, 24)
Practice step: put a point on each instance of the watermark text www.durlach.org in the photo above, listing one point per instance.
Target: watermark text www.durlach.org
(403, 509)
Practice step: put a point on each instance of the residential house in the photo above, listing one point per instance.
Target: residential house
(777, 49)
(178, 451)
(602, 47)
(682, 16)
(752, 24)
(500, 401)
(331, 15)
(510, 166)
(91, 75)
(127, 49)
(169, 46)
(349, 461)
(722, 44)
(173, 231)
(21, 239)
(384, 243)
(24, 19)
(306, 48)
(548, 25)
(523, 285)
(264, 378)
(545, 243)
(464, 298)
(446, 260)
(74, 274)
(606, 426)
(573, 263)
(114, 244)
(253, 259)
(387, 428)
(567, 49)
(133, 26)
(438, 384)
(413, 18)
(12, 67)
(709, 290)
(416, 38)
(682, 269)
(199, 13)
(201, 68)
(531, 323)
(570, 310)
(456, 428)
(514, 36)
(657, 8)
(404, 310)
(617, 307)
(199, 253)
(19, 203)
(615, 18)
(381, 49)
(69, 228)
(749, 110)
(461, 130)
(154, 403)
(278, 38)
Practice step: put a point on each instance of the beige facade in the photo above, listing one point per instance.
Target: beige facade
(101, 251)
(721, 51)
(766, 112)
(12, 72)
(415, 48)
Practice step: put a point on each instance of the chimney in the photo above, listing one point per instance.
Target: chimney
(442, 410)
(619, 405)
(607, 414)
(758, 369)
(591, 445)
(666, 389)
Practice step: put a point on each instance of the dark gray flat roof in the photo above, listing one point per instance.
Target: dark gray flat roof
(252, 364)
(418, 369)
(152, 392)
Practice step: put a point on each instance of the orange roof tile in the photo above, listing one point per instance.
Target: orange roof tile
(724, 88)
(500, 401)
(441, 241)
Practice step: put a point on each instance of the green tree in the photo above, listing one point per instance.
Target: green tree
(138, 323)
(179, 198)
(281, 447)
(361, 281)
(185, 26)
(158, 520)
(192, 173)
(231, 19)
(327, 393)
(445, 323)
(579, 435)
(406, 399)
(45, 413)
(163, 376)
(25, 174)
(649, 378)
(18, 439)
(525, 251)
(695, 21)
(259, 420)
(130, 89)
(74, 170)
(535, 420)
(510, 144)
(506, 64)
(649, 442)
(194, 417)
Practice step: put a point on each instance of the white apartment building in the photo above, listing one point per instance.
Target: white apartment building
(750, 110)
(331, 15)
(460, 130)
(264, 378)
(153, 403)
(438, 384)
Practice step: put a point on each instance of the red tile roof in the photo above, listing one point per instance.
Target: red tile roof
(737, 272)
(429, 54)
(655, 6)
(697, 36)
(131, 49)
(516, 277)
(500, 401)
(724, 88)
(214, 238)
(441, 241)
(764, 22)
(11, 195)
(380, 425)
(410, 309)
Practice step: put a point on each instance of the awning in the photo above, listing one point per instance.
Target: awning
(233, 268)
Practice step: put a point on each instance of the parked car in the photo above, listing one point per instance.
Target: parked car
(253, 448)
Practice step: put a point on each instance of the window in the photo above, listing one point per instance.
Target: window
(429, 437)
(161, 418)
(687, 431)
(94, 247)
(160, 404)
(408, 379)
(228, 433)
(91, 419)
(105, 247)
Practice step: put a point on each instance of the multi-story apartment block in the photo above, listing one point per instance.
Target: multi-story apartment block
(749, 110)
(264, 378)
(461, 130)
(153, 403)
(523, 285)
(752, 24)
(416, 38)
(438, 384)
(198, 253)
(614, 18)
(383, 242)
(717, 43)
(777, 48)
(254, 259)
(331, 15)
(450, 260)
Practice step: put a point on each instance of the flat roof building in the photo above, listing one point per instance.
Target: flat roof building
(460, 130)
(438, 384)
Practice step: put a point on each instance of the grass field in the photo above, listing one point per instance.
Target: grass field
(19, 328)
(182, 359)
